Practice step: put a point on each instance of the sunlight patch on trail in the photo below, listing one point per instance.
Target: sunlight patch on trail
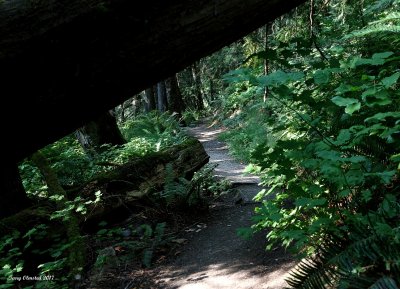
(218, 276)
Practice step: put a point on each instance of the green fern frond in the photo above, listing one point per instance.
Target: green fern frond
(388, 24)
(380, 6)
(368, 262)
(373, 29)
(312, 273)
(391, 17)
(384, 283)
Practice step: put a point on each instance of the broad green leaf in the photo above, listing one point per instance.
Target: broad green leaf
(102, 232)
(351, 104)
(374, 97)
(395, 158)
(329, 155)
(381, 116)
(269, 54)
(383, 229)
(390, 80)
(330, 170)
(341, 101)
(385, 177)
(321, 76)
(366, 195)
(343, 88)
(356, 159)
(81, 208)
(344, 193)
(351, 108)
(311, 203)
(280, 77)
(377, 59)
(354, 177)
(343, 137)
(389, 205)
(30, 233)
(382, 55)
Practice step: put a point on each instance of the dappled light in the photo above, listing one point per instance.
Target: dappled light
(272, 163)
(226, 276)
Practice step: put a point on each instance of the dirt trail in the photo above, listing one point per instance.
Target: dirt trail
(214, 256)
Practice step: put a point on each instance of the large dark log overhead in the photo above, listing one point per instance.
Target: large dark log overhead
(62, 62)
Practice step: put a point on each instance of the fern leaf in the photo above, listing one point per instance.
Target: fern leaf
(384, 283)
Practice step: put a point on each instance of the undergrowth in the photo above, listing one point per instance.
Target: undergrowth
(145, 134)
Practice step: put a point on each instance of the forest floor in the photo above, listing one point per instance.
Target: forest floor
(214, 255)
(209, 253)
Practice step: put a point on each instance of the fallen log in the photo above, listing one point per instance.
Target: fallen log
(122, 187)
(125, 185)
(65, 62)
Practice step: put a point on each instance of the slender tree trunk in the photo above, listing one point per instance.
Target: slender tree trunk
(122, 114)
(103, 130)
(13, 195)
(174, 95)
(149, 100)
(197, 85)
(162, 97)
(76, 256)
(266, 61)
(212, 92)
(122, 111)
(136, 104)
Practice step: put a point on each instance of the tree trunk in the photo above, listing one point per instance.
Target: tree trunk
(174, 95)
(149, 100)
(121, 115)
(266, 61)
(212, 92)
(197, 85)
(13, 195)
(103, 130)
(162, 102)
(136, 105)
(76, 256)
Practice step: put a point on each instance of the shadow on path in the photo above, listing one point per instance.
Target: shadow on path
(215, 256)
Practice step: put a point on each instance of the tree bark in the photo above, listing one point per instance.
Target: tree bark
(101, 131)
(266, 61)
(197, 86)
(174, 95)
(149, 100)
(13, 195)
(212, 92)
(76, 256)
(162, 102)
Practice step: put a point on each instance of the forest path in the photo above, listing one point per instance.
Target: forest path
(215, 257)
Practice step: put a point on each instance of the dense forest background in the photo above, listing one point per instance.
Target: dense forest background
(310, 101)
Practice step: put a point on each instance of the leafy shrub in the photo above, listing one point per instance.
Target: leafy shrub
(183, 194)
(139, 243)
(146, 134)
(51, 273)
(329, 153)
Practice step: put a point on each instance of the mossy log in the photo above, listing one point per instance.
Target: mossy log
(133, 181)
(122, 187)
